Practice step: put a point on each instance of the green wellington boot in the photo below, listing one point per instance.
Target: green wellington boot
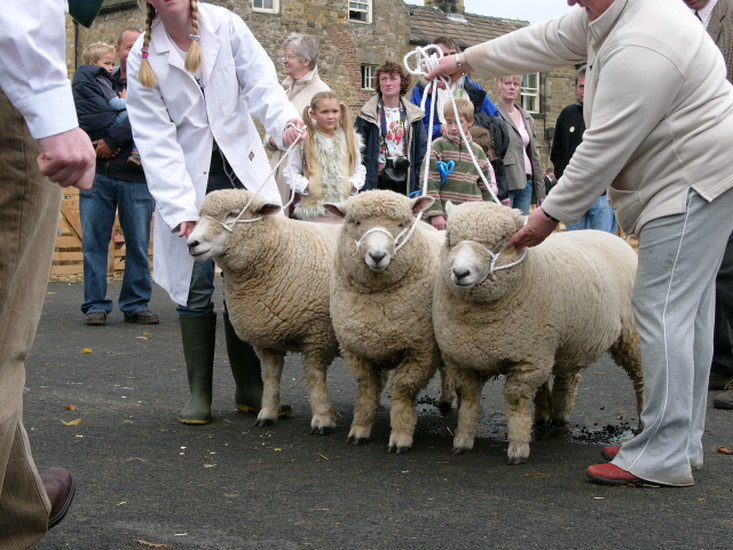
(246, 371)
(199, 339)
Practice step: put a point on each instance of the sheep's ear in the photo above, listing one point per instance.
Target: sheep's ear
(335, 209)
(449, 206)
(421, 203)
(268, 209)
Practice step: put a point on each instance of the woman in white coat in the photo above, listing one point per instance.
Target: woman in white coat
(194, 78)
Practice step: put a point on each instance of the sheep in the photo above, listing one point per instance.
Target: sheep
(527, 314)
(276, 281)
(381, 301)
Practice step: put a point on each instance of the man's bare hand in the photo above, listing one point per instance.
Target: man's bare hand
(103, 150)
(68, 159)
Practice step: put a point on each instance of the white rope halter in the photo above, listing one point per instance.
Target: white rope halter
(495, 258)
(229, 226)
(395, 240)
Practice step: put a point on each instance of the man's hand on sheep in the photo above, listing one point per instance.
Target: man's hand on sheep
(295, 132)
(538, 227)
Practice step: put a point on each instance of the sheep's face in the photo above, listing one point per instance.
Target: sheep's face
(218, 213)
(474, 253)
(375, 224)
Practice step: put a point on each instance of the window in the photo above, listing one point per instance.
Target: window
(269, 6)
(367, 77)
(360, 11)
(531, 92)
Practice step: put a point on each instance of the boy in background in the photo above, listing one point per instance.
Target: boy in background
(452, 174)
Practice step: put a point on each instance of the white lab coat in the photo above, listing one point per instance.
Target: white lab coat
(174, 125)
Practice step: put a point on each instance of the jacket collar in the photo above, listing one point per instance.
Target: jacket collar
(289, 82)
(601, 27)
(210, 44)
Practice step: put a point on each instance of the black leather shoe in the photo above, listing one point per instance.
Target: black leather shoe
(96, 318)
(144, 317)
(60, 488)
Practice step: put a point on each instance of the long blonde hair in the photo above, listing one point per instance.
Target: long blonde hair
(344, 122)
(193, 57)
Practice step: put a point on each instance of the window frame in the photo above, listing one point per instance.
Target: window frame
(530, 95)
(367, 11)
(275, 7)
(366, 78)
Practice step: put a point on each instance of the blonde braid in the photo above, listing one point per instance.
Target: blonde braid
(145, 74)
(193, 57)
(309, 143)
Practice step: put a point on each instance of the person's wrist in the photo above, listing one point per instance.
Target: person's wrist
(548, 216)
(459, 65)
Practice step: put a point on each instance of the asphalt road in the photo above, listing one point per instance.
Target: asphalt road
(147, 481)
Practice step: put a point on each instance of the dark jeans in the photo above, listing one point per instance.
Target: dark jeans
(97, 207)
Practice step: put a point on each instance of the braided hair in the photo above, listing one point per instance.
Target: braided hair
(193, 56)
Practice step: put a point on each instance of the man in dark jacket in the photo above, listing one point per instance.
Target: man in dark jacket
(117, 186)
(569, 130)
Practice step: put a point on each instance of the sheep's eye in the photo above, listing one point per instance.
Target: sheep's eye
(402, 225)
(356, 222)
(232, 214)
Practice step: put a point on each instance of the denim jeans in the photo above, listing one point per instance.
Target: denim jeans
(599, 216)
(97, 208)
(522, 198)
(199, 303)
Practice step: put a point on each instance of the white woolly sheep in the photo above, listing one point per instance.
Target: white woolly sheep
(276, 281)
(381, 302)
(550, 310)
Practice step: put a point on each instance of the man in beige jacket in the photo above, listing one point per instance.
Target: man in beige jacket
(659, 117)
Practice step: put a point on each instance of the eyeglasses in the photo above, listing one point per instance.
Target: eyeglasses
(288, 57)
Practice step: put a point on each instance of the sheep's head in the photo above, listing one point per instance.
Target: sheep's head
(375, 223)
(473, 256)
(218, 216)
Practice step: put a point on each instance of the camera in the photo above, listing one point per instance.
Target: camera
(401, 163)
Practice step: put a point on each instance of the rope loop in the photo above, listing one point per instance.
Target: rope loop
(495, 258)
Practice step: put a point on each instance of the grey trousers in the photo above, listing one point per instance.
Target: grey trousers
(673, 301)
(29, 211)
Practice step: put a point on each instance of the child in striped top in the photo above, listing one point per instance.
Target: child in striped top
(452, 174)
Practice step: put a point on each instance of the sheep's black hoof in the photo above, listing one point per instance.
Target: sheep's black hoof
(323, 430)
(518, 460)
(396, 449)
(264, 422)
(460, 450)
(356, 441)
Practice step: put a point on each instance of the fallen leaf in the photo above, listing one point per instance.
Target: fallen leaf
(86, 350)
(70, 407)
(152, 545)
(724, 450)
(72, 423)
(277, 449)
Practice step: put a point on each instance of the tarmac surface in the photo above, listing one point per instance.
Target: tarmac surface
(146, 481)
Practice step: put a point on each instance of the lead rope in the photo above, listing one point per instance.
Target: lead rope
(229, 226)
(426, 61)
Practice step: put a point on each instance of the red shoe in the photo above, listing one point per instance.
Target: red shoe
(610, 474)
(610, 452)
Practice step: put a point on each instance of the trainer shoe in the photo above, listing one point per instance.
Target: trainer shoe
(96, 318)
(724, 400)
(143, 317)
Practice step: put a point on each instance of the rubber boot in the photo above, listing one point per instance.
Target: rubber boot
(246, 371)
(199, 339)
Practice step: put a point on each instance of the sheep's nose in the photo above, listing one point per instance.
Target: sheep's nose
(377, 256)
(192, 243)
(460, 273)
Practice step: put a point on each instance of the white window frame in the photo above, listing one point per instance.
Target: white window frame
(530, 94)
(368, 76)
(262, 9)
(360, 7)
